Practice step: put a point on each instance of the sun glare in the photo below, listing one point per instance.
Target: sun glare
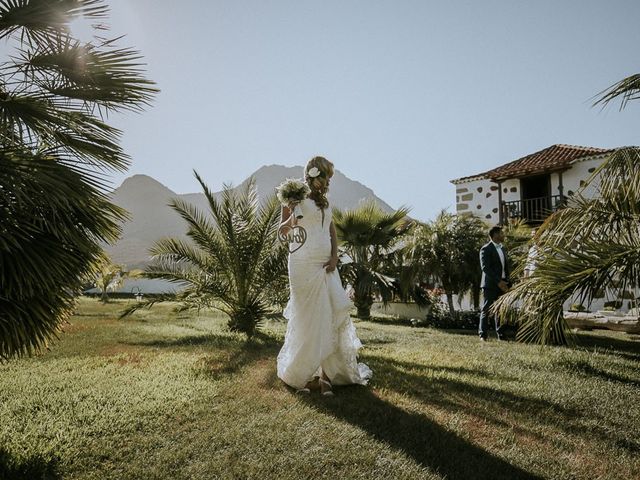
(80, 28)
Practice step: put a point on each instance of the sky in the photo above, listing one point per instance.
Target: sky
(402, 96)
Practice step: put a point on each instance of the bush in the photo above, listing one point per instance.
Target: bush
(577, 307)
(613, 305)
(437, 318)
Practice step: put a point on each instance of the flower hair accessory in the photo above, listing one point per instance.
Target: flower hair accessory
(313, 172)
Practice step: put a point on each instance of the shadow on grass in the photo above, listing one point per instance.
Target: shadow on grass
(588, 369)
(496, 405)
(211, 339)
(233, 354)
(443, 451)
(185, 341)
(403, 322)
(508, 332)
(629, 349)
(418, 436)
(380, 341)
(31, 467)
(228, 354)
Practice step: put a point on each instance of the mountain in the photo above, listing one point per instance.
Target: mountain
(151, 218)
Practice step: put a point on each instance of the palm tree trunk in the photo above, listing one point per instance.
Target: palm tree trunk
(452, 310)
(476, 297)
(363, 304)
(104, 296)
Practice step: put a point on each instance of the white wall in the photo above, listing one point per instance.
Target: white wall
(573, 179)
(480, 197)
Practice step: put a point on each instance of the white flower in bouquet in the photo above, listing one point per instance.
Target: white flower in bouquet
(291, 192)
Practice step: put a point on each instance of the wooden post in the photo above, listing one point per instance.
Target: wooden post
(560, 188)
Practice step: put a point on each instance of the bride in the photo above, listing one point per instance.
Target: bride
(321, 340)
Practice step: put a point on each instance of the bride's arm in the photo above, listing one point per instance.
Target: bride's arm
(334, 241)
(285, 217)
(333, 261)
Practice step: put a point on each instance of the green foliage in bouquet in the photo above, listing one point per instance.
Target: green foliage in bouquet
(292, 190)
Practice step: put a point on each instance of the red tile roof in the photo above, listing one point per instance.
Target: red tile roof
(553, 158)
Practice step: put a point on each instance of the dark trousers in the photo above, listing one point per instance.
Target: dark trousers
(490, 295)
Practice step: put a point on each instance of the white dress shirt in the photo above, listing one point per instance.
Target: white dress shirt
(501, 255)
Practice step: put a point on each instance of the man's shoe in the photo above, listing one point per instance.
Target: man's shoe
(483, 339)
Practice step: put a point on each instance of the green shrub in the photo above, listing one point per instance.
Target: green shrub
(577, 307)
(436, 318)
(613, 305)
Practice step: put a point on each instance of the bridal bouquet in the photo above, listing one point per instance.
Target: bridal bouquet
(291, 192)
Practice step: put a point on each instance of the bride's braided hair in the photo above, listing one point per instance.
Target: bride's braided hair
(319, 192)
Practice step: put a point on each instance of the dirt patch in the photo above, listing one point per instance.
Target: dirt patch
(118, 349)
(134, 359)
(478, 430)
(71, 328)
(587, 463)
(263, 373)
(128, 354)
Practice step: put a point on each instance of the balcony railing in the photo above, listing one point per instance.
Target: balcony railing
(532, 210)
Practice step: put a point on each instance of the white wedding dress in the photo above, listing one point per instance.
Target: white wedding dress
(320, 335)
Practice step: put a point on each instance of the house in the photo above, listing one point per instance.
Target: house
(529, 188)
(532, 187)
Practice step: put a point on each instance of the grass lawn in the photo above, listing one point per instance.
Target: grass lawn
(166, 396)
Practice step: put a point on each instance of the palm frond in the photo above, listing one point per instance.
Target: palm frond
(368, 236)
(178, 251)
(54, 149)
(234, 261)
(625, 90)
(48, 244)
(105, 75)
(42, 19)
(591, 245)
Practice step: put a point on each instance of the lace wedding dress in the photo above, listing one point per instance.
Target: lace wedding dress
(320, 335)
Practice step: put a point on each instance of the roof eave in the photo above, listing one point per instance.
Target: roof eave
(529, 173)
(548, 170)
(458, 181)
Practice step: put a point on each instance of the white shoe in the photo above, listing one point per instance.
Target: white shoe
(326, 393)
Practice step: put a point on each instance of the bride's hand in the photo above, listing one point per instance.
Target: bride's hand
(331, 265)
(288, 218)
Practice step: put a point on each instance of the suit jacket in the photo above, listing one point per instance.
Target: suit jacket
(492, 266)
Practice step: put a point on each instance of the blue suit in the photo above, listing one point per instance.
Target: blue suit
(492, 274)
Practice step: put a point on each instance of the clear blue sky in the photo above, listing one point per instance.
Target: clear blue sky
(402, 96)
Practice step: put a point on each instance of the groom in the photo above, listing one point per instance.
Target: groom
(495, 278)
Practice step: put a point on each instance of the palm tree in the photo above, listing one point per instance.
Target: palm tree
(445, 251)
(110, 276)
(54, 152)
(232, 260)
(369, 236)
(591, 245)
(517, 233)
